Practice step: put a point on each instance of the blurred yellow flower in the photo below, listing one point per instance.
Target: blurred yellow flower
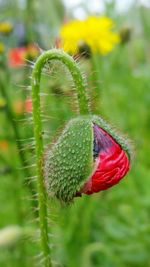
(5, 27)
(2, 48)
(96, 32)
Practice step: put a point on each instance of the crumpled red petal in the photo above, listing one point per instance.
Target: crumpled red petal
(112, 164)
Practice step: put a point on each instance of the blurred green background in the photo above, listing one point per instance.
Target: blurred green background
(108, 229)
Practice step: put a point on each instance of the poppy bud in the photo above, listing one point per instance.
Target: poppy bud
(88, 157)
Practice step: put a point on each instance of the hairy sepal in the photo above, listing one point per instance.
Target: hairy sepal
(70, 161)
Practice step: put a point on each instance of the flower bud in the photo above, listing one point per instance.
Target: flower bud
(125, 35)
(88, 157)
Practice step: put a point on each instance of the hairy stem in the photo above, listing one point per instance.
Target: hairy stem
(68, 61)
(96, 69)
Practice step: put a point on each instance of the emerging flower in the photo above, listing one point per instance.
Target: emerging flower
(95, 32)
(18, 56)
(5, 27)
(87, 158)
(111, 163)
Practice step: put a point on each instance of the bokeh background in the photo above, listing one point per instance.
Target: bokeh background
(108, 229)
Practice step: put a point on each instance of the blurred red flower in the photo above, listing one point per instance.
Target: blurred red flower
(19, 55)
(28, 105)
(16, 56)
(20, 106)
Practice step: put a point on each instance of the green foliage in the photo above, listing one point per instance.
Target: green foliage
(106, 229)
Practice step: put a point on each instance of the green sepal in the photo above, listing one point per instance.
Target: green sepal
(70, 161)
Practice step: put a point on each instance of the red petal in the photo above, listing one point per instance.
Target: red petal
(16, 56)
(111, 166)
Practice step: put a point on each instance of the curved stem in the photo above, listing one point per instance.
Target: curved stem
(68, 61)
(56, 54)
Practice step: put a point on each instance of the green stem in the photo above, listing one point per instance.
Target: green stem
(68, 61)
(30, 18)
(96, 69)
